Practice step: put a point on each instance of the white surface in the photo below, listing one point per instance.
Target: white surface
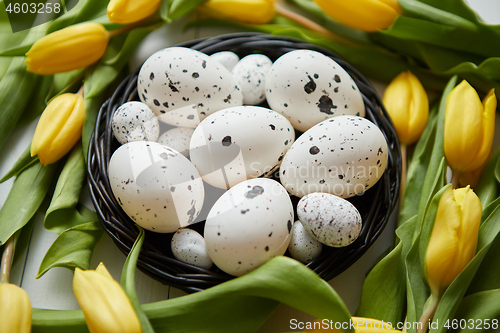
(54, 290)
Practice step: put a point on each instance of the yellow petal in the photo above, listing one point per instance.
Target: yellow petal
(366, 15)
(105, 305)
(74, 47)
(68, 135)
(15, 309)
(129, 11)
(52, 121)
(419, 109)
(245, 11)
(463, 128)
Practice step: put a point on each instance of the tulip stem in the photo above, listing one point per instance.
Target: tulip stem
(6, 263)
(429, 311)
(455, 179)
(305, 22)
(402, 188)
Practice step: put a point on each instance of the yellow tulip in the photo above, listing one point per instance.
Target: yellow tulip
(106, 307)
(366, 15)
(453, 239)
(469, 127)
(74, 47)
(129, 11)
(245, 11)
(15, 309)
(408, 106)
(59, 128)
(360, 325)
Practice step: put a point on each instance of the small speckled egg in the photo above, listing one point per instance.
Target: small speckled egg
(308, 87)
(250, 75)
(178, 139)
(135, 121)
(156, 186)
(239, 143)
(331, 220)
(344, 155)
(226, 58)
(303, 246)
(249, 225)
(189, 246)
(179, 77)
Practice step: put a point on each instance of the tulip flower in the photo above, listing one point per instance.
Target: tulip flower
(245, 11)
(408, 106)
(453, 239)
(130, 11)
(360, 325)
(469, 128)
(106, 307)
(15, 309)
(366, 15)
(74, 47)
(59, 128)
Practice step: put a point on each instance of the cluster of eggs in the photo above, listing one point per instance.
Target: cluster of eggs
(219, 145)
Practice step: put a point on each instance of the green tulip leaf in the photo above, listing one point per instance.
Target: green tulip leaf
(440, 10)
(64, 83)
(25, 197)
(452, 297)
(417, 169)
(8, 40)
(24, 161)
(487, 274)
(486, 189)
(85, 10)
(73, 248)
(65, 211)
(174, 9)
(128, 281)
(16, 51)
(384, 289)
(481, 312)
(239, 305)
(37, 101)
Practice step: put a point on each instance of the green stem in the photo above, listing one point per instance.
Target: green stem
(6, 264)
(429, 311)
(402, 188)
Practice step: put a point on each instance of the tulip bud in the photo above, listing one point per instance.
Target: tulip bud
(59, 128)
(469, 127)
(453, 239)
(366, 15)
(15, 309)
(106, 307)
(245, 11)
(408, 106)
(130, 11)
(74, 47)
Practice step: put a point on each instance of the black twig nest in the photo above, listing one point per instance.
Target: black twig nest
(156, 259)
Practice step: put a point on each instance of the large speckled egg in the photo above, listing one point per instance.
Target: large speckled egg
(344, 155)
(178, 77)
(331, 220)
(303, 246)
(135, 121)
(250, 75)
(239, 143)
(308, 87)
(189, 246)
(249, 225)
(156, 186)
(178, 139)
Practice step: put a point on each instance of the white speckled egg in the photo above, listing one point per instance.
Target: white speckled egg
(178, 139)
(135, 121)
(303, 247)
(333, 221)
(239, 143)
(189, 246)
(187, 116)
(250, 75)
(308, 87)
(344, 155)
(178, 77)
(226, 58)
(156, 186)
(249, 225)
